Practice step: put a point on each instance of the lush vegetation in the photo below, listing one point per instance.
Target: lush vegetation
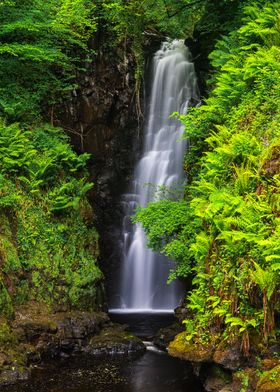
(48, 247)
(225, 232)
(41, 46)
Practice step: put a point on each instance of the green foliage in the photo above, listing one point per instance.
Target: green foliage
(39, 42)
(47, 250)
(227, 226)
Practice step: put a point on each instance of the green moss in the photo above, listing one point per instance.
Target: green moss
(7, 338)
(270, 381)
(191, 351)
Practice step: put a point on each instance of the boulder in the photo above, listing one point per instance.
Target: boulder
(115, 341)
(270, 381)
(230, 357)
(181, 348)
(165, 335)
(217, 379)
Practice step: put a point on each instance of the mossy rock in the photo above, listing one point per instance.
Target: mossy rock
(245, 380)
(181, 348)
(115, 341)
(270, 381)
(10, 377)
(165, 335)
(217, 379)
(230, 357)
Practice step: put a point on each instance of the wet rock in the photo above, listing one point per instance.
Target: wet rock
(189, 351)
(245, 380)
(270, 381)
(115, 341)
(38, 335)
(165, 335)
(182, 313)
(274, 350)
(12, 376)
(228, 357)
(30, 331)
(217, 379)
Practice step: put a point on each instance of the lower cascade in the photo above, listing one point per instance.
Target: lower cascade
(144, 277)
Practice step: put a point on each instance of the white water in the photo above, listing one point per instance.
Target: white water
(144, 274)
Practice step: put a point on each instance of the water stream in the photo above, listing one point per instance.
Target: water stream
(145, 273)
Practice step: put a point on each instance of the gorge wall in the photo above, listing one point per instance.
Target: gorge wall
(102, 119)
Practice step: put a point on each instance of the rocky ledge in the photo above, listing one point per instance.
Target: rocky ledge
(225, 369)
(36, 335)
(115, 341)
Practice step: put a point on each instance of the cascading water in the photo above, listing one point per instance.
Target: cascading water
(145, 273)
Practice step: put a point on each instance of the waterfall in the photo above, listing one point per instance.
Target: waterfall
(145, 273)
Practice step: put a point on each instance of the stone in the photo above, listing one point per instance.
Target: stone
(229, 357)
(217, 379)
(115, 341)
(189, 351)
(165, 335)
(274, 349)
(245, 380)
(12, 376)
(270, 381)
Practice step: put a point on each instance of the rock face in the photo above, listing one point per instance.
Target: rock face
(165, 335)
(38, 335)
(228, 357)
(103, 119)
(217, 379)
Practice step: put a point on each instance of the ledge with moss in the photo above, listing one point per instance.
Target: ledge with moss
(36, 334)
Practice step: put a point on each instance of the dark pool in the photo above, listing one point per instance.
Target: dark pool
(154, 371)
(144, 325)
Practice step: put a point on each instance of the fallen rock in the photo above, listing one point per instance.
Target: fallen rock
(115, 341)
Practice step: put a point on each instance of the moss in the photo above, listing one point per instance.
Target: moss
(12, 354)
(245, 380)
(115, 340)
(181, 348)
(269, 381)
(7, 338)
